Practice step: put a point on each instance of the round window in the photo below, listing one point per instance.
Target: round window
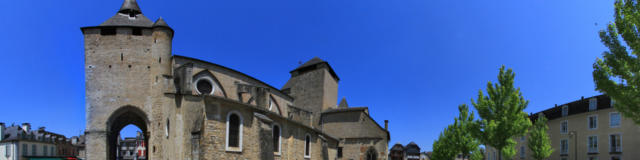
(204, 86)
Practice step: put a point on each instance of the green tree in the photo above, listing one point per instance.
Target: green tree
(442, 149)
(478, 154)
(502, 114)
(538, 141)
(617, 74)
(461, 137)
(457, 137)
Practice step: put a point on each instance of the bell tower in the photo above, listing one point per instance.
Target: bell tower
(126, 60)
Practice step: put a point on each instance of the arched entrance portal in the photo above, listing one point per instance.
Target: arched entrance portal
(372, 154)
(119, 119)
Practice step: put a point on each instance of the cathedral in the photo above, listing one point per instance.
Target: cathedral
(191, 109)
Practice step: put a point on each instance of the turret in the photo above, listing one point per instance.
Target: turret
(314, 86)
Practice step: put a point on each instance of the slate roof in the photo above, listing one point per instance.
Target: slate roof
(345, 110)
(412, 148)
(575, 107)
(397, 147)
(129, 15)
(160, 22)
(314, 63)
(343, 103)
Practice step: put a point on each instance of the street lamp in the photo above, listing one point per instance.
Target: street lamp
(575, 141)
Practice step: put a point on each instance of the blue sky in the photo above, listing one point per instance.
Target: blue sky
(410, 61)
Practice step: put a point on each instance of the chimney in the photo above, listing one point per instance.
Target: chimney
(2, 127)
(26, 127)
(582, 98)
(41, 129)
(386, 125)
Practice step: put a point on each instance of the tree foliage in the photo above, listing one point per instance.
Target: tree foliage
(456, 138)
(462, 139)
(442, 149)
(478, 154)
(618, 72)
(538, 141)
(502, 115)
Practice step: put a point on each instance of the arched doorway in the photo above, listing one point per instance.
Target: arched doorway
(127, 115)
(371, 154)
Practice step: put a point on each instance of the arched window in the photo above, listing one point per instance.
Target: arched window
(371, 154)
(234, 132)
(307, 146)
(276, 139)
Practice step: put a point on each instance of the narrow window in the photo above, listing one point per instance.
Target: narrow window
(564, 127)
(107, 31)
(24, 149)
(137, 31)
(615, 158)
(234, 132)
(593, 158)
(7, 152)
(593, 104)
(564, 146)
(522, 154)
(307, 146)
(565, 110)
(592, 144)
(615, 142)
(52, 152)
(614, 119)
(270, 103)
(276, 139)
(166, 129)
(34, 150)
(339, 152)
(593, 122)
(44, 150)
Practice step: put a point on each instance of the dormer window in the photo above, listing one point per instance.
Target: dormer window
(593, 104)
(565, 110)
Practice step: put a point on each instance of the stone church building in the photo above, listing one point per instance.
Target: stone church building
(190, 109)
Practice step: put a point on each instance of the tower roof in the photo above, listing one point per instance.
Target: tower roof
(129, 15)
(315, 63)
(343, 103)
(130, 6)
(161, 23)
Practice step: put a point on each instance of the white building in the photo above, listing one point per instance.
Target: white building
(20, 142)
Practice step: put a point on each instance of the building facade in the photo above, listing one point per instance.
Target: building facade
(194, 109)
(589, 128)
(131, 148)
(409, 152)
(23, 143)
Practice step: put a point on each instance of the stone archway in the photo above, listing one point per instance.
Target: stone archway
(119, 119)
(371, 154)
